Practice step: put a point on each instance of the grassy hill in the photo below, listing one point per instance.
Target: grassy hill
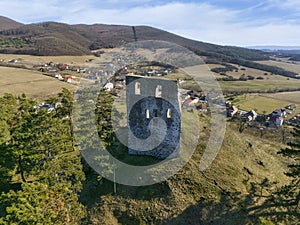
(226, 193)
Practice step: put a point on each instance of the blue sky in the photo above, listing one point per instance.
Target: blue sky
(226, 22)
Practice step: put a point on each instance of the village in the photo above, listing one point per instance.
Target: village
(198, 100)
(111, 76)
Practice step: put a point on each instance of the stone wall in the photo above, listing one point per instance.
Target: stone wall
(152, 105)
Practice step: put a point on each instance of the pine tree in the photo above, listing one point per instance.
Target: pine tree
(42, 144)
(39, 203)
(292, 191)
(8, 109)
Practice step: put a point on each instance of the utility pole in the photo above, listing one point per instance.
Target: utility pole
(115, 184)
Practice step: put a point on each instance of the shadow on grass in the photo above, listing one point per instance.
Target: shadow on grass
(95, 186)
(237, 208)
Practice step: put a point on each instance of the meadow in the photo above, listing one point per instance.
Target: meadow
(267, 102)
(29, 60)
(32, 83)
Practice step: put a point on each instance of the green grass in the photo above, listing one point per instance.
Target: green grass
(259, 103)
(266, 103)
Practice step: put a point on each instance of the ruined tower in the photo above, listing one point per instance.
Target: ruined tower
(152, 103)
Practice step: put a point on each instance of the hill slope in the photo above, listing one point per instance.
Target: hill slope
(56, 39)
(226, 193)
(52, 38)
(6, 23)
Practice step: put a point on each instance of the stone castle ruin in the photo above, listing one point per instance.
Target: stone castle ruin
(153, 105)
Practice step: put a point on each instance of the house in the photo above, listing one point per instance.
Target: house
(13, 61)
(180, 80)
(201, 107)
(58, 76)
(109, 86)
(278, 113)
(45, 106)
(231, 110)
(291, 107)
(251, 115)
(68, 79)
(277, 117)
(62, 66)
(279, 121)
(294, 121)
(75, 69)
(190, 101)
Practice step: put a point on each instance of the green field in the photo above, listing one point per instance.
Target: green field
(266, 103)
(280, 83)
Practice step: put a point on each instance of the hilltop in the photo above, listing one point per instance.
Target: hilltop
(52, 38)
(6, 23)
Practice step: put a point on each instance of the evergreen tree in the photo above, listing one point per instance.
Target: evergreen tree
(291, 192)
(39, 203)
(42, 144)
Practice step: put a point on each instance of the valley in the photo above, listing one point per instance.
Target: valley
(44, 176)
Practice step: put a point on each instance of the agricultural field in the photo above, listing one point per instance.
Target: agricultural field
(283, 63)
(266, 103)
(34, 84)
(30, 61)
(269, 82)
(278, 83)
(293, 97)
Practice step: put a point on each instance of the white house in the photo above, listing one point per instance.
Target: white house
(109, 86)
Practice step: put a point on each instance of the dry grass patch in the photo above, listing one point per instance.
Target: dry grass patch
(32, 83)
(287, 65)
(29, 60)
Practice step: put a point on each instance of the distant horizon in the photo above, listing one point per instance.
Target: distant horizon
(233, 23)
(274, 47)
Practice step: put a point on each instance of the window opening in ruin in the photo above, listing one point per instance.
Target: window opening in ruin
(169, 113)
(158, 91)
(137, 88)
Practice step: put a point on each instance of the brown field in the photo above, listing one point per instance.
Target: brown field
(293, 97)
(285, 64)
(248, 71)
(32, 83)
(30, 61)
(270, 82)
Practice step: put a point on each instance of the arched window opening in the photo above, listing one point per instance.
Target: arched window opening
(158, 91)
(137, 89)
(169, 113)
(147, 114)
